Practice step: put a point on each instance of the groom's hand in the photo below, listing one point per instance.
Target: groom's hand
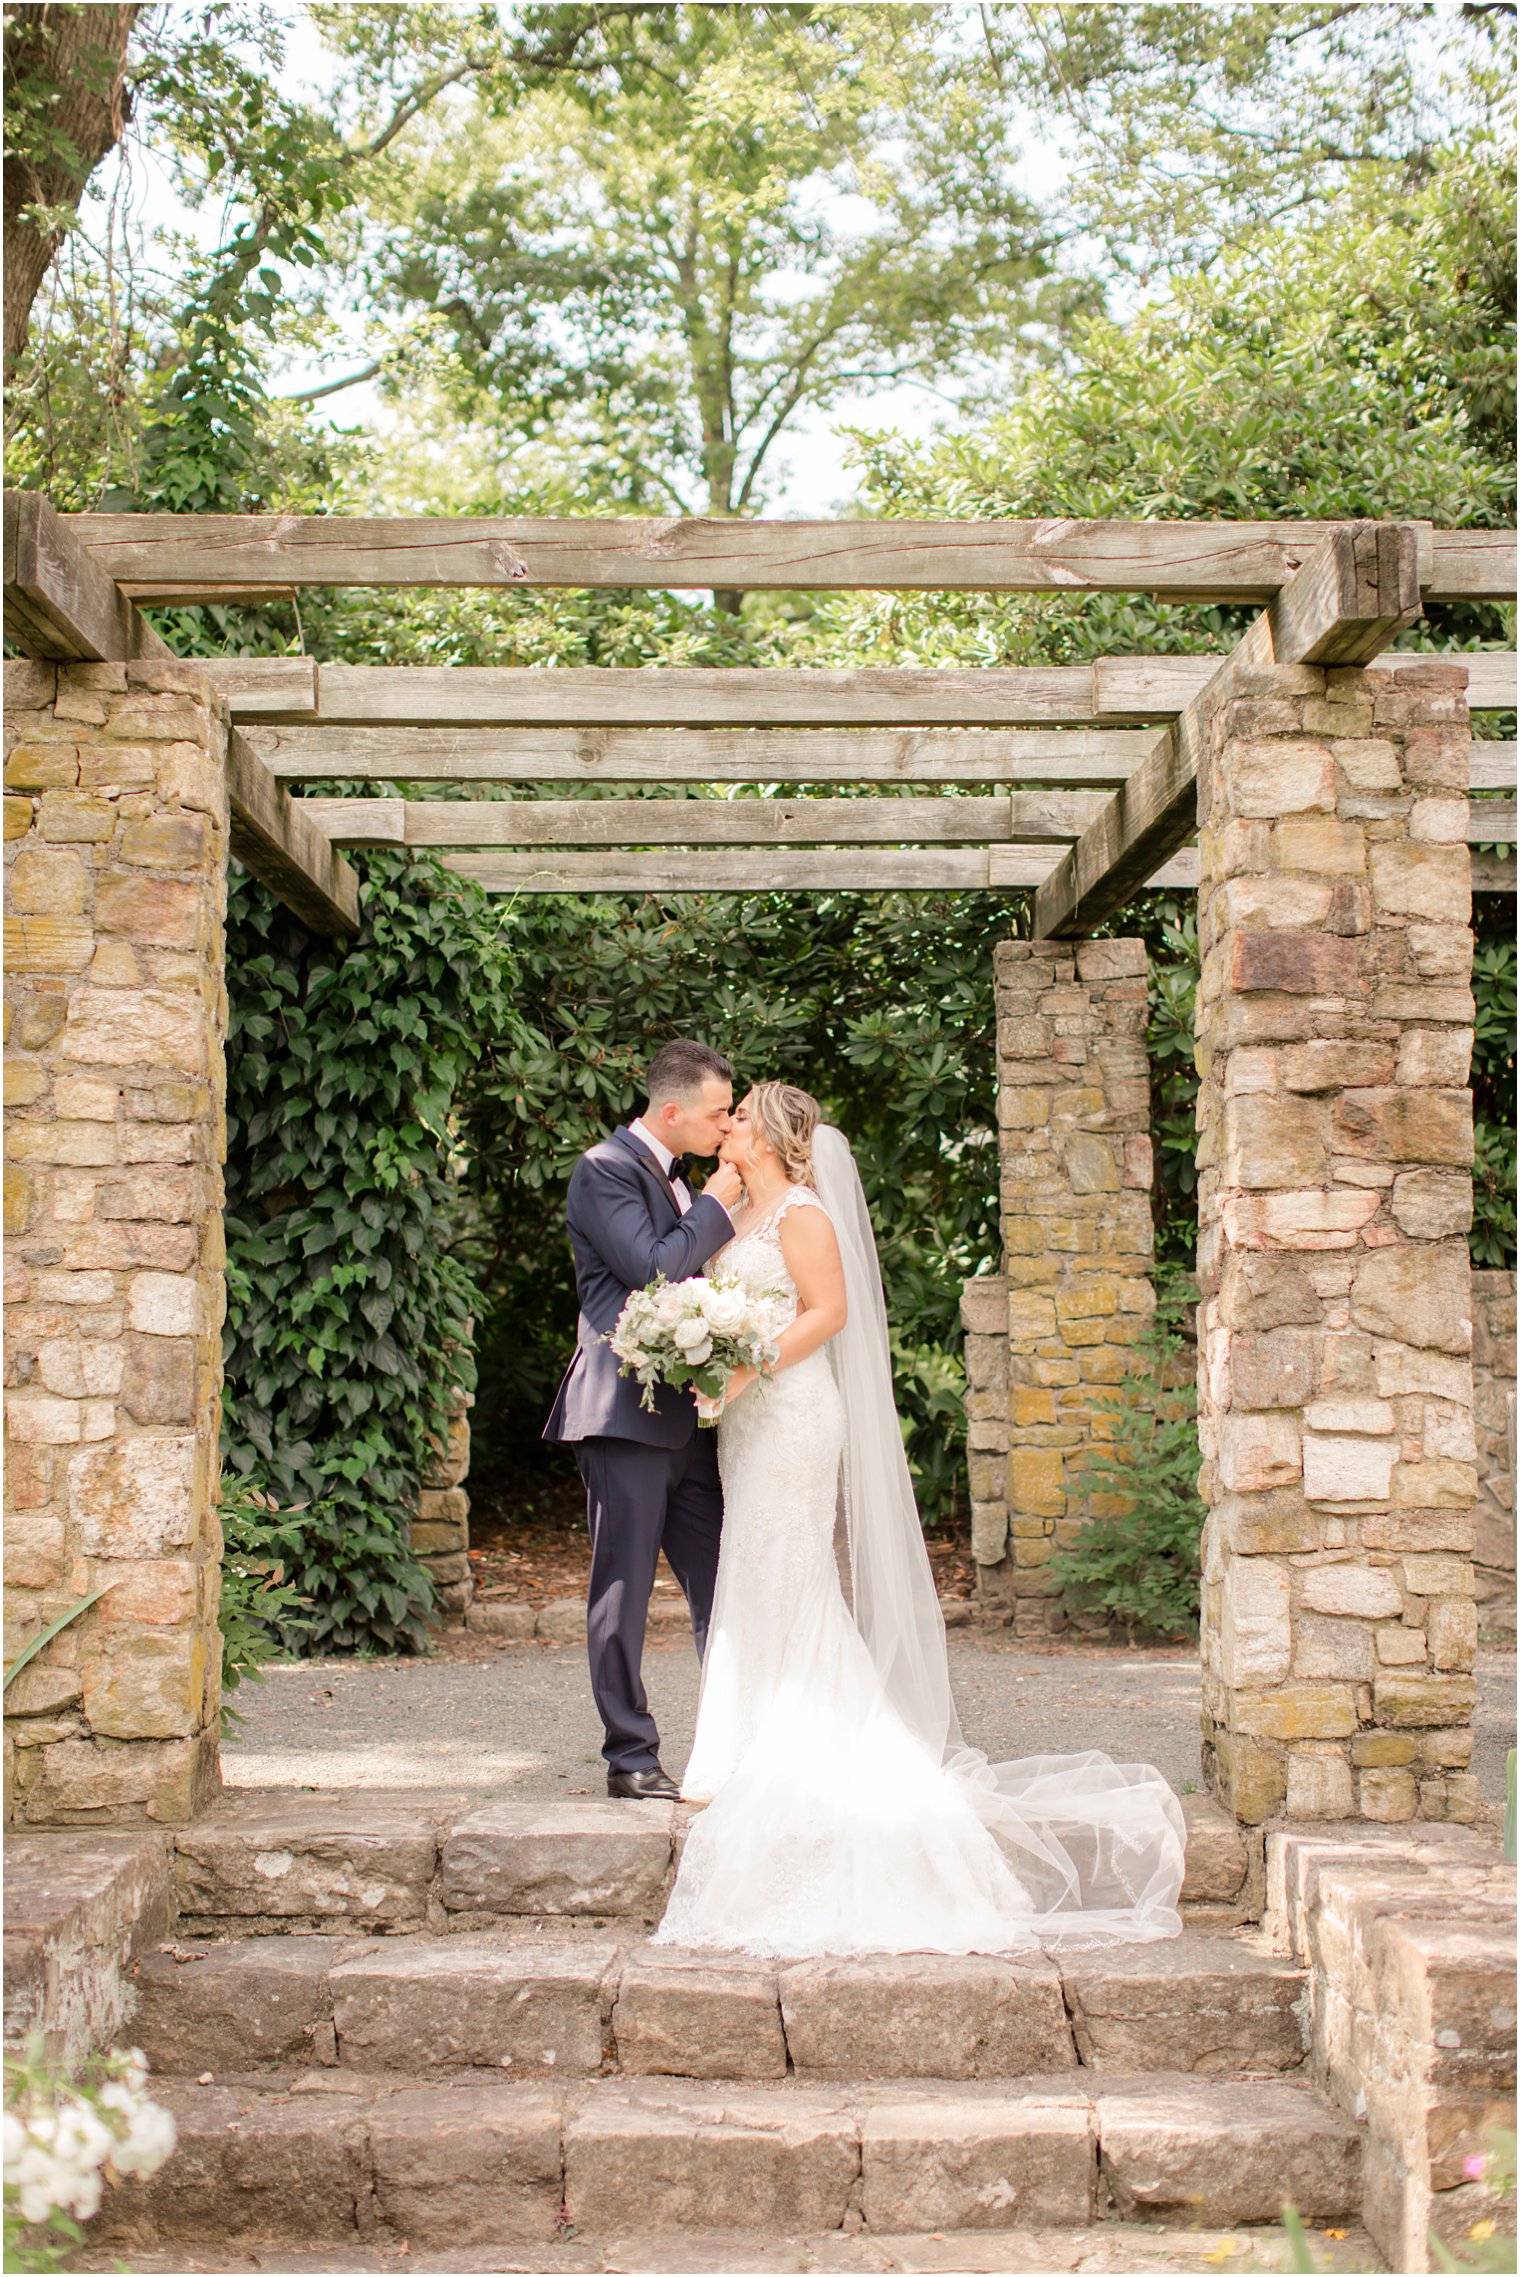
(725, 1186)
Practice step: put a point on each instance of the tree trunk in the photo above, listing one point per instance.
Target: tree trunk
(67, 102)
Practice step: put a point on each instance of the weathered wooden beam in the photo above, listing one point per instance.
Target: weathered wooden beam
(1356, 591)
(256, 685)
(757, 870)
(59, 601)
(1491, 873)
(459, 695)
(839, 869)
(1032, 815)
(1472, 565)
(1355, 594)
(1492, 822)
(286, 848)
(703, 755)
(211, 557)
(1492, 767)
(1111, 694)
(1152, 687)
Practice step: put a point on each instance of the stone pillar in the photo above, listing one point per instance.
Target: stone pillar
(1494, 1417)
(1335, 1379)
(984, 1318)
(1074, 1141)
(441, 1529)
(115, 1012)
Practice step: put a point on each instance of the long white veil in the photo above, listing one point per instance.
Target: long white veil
(1098, 1845)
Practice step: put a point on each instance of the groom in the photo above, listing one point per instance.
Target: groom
(651, 1479)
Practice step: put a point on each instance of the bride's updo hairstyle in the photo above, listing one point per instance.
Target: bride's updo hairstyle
(788, 1118)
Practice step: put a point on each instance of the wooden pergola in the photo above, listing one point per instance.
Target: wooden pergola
(1081, 779)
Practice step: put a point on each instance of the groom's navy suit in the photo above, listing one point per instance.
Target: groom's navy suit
(651, 1478)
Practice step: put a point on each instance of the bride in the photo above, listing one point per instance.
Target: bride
(845, 1812)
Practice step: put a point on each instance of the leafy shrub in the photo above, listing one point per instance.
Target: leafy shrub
(1136, 1558)
(348, 1307)
(259, 1608)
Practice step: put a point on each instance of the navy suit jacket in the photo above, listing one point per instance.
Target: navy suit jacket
(625, 1227)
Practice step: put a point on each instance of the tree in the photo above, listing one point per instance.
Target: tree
(1361, 365)
(178, 355)
(1187, 129)
(739, 212)
(66, 104)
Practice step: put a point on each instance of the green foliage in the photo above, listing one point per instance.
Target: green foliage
(881, 1005)
(260, 1609)
(348, 1308)
(1186, 129)
(1493, 1082)
(1136, 1557)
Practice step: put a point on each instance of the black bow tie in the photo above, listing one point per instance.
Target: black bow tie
(677, 1168)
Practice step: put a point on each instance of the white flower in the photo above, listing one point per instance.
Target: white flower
(688, 1334)
(37, 2201)
(671, 1304)
(15, 2143)
(725, 1310)
(148, 2141)
(698, 1353)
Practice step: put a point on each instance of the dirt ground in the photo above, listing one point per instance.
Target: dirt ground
(531, 1548)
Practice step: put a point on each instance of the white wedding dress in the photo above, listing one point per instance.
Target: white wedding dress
(845, 1813)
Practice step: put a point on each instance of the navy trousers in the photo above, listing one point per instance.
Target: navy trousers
(641, 1500)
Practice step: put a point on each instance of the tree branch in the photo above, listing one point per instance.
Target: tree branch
(333, 387)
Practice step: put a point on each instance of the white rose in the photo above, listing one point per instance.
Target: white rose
(726, 1310)
(670, 1305)
(700, 1352)
(688, 1334)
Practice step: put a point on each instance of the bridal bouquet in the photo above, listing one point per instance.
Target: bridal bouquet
(696, 1333)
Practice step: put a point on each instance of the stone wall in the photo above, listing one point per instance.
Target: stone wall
(1494, 1418)
(1407, 1936)
(1335, 1322)
(1049, 1340)
(441, 1529)
(115, 1019)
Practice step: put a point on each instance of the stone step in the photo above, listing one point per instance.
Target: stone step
(548, 2003)
(1139, 2249)
(80, 1906)
(273, 1860)
(332, 2160)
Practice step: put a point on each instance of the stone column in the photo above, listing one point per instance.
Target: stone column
(1335, 1383)
(441, 1529)
(1074, 1140)
(115, 1011)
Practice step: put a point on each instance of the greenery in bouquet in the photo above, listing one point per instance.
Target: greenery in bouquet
(694, 1334)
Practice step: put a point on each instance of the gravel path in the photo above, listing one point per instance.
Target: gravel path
(519, 1717)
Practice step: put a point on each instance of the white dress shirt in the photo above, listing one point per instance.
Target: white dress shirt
(664, 1156)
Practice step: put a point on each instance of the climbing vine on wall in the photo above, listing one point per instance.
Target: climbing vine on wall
(348, 1302)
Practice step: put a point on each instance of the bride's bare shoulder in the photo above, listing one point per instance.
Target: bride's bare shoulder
(802, 1216)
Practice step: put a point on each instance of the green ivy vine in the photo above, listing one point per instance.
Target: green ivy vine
(348, 1302)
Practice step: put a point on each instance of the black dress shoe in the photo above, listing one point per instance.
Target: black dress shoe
(653, 1785)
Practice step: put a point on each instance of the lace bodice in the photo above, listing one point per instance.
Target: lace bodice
(755, 1255)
